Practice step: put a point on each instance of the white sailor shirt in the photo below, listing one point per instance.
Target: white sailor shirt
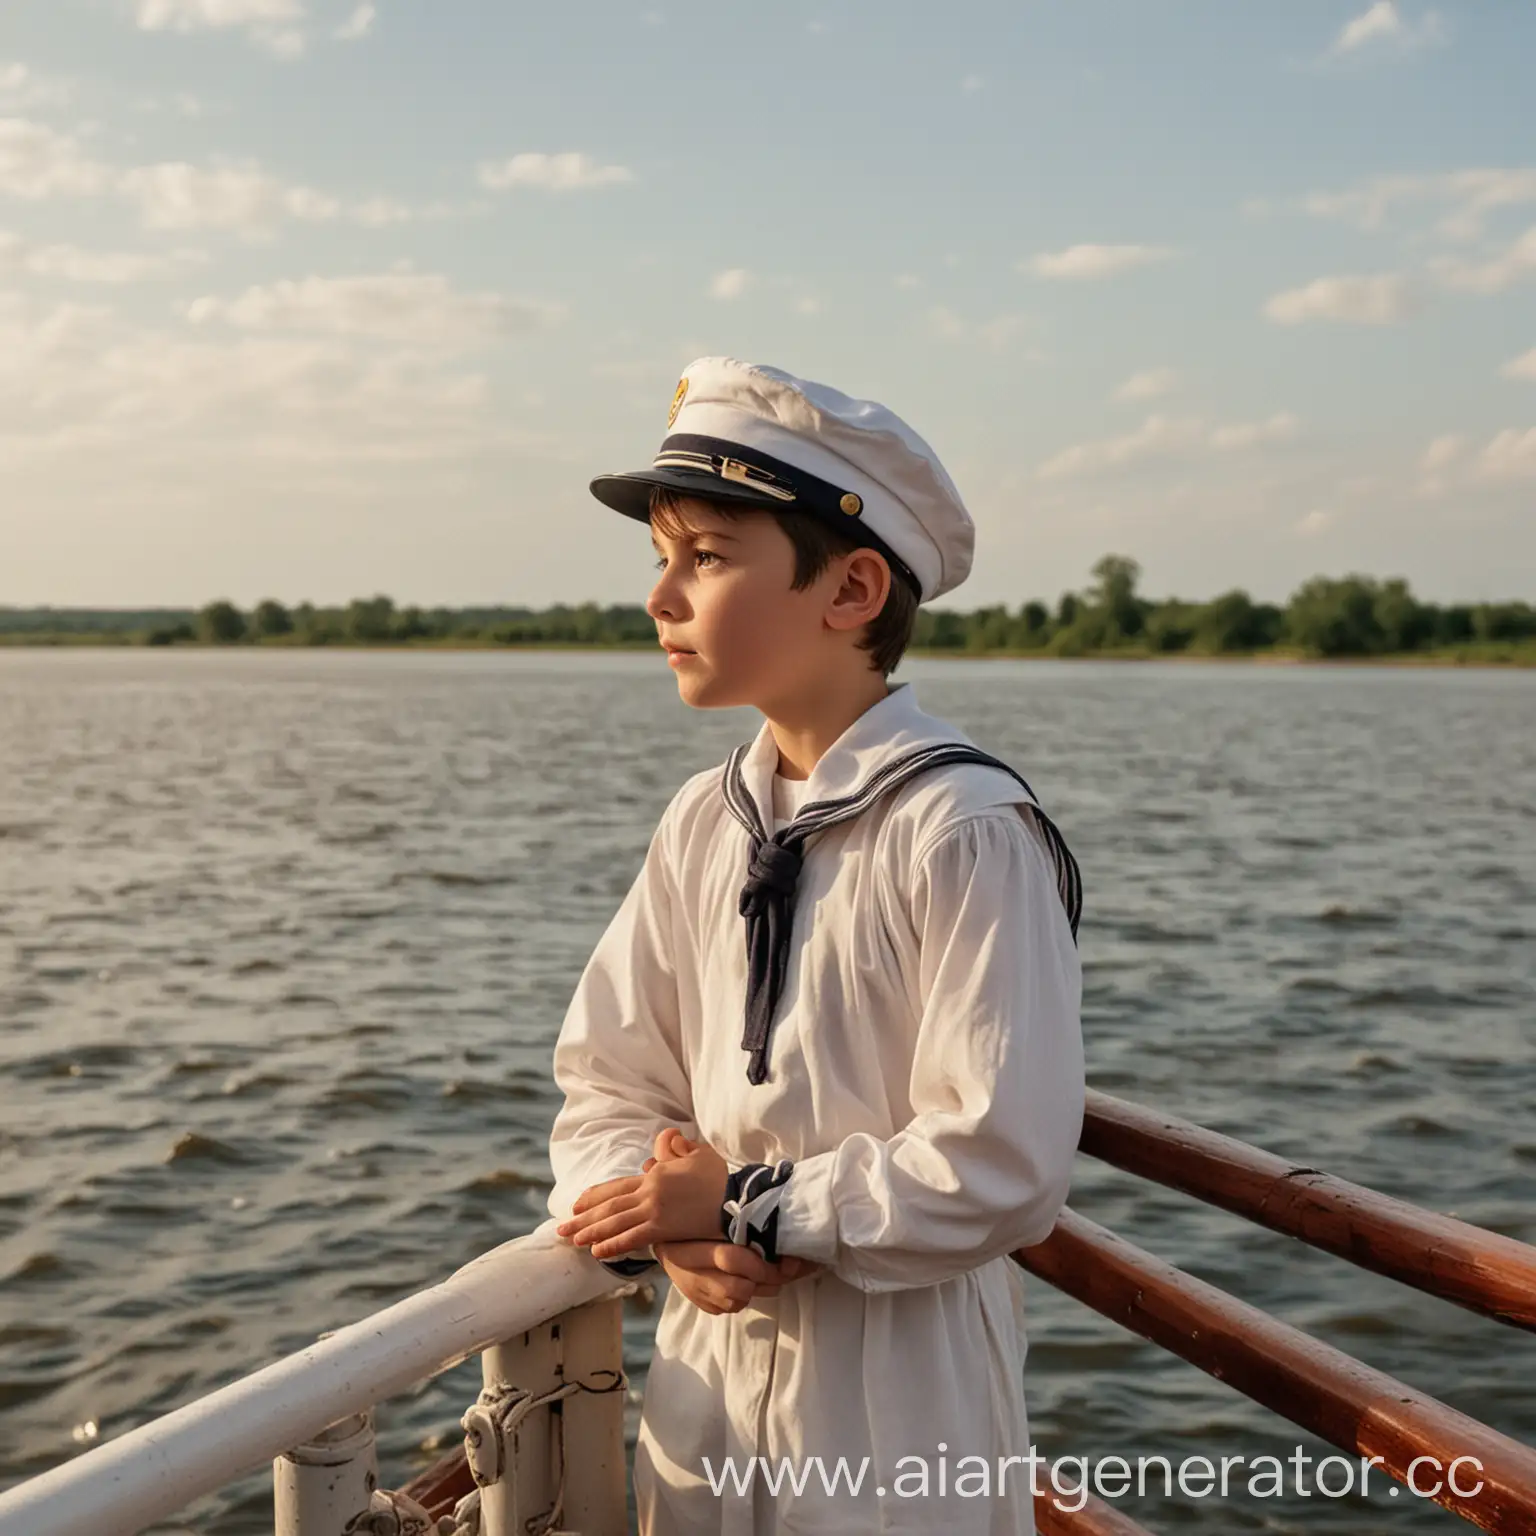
(925, 1075)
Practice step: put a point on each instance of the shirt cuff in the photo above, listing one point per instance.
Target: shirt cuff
(807, 1215)
(631, 1264)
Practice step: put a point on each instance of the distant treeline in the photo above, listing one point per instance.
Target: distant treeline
(1348, 616)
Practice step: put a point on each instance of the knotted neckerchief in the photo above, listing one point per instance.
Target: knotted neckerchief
(768, 897)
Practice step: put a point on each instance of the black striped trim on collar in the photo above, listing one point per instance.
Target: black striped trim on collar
(821, 814)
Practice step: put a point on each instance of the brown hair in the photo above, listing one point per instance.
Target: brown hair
(886, 636)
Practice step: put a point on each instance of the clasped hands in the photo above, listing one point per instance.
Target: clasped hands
(673, 1207)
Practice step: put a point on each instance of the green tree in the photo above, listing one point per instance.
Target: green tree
(1170, 626)
(1030, 629)
(940, 629)
(271, 618)
(410, 625)
(1404, 622)
(369, 620)
(320, 626)
(1113, 597)
(221, 623)
(1453, 625)
(1234, 622)
(989, 629)
(170, 634)
(1503, 621)
(1336, 618)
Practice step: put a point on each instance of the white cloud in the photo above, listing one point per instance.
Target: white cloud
(996, 335)
(1382, 299)
(1516, 264)
(1441, 459)
(245, 199)
(1472, 195)
(76, 265)
(381, 212)
(411, 308)
(1279, 428)
(730, 284)
(182, 104)
(809, 306)
(175, 195)
(1442, 452)
(1522, 367)
(946, 325)
(1315, 522)
(1381, 20)
(1157, 436)
(79, 380)
(1384, 22)
(971, 84)
(1511, 455)
(1165, 437)
(907, 280)
(1080, 262)
(274, 24)
(569, 172)
(1149, 385)
(37, 162)
(200, 15)
(22, 89)
(286, 44)
(357, 26)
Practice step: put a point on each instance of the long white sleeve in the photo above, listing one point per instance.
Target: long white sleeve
(619, 1058)
(997, 1084)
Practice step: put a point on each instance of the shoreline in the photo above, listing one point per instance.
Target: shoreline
(1519, 657)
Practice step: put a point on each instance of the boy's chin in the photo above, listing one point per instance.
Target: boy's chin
(705, 692)
(699, 685)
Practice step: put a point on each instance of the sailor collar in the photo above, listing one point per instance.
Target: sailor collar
(889, 727)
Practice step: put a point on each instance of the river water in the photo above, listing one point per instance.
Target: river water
(286, 938)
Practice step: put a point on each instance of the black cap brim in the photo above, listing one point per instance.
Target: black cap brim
(631, 493)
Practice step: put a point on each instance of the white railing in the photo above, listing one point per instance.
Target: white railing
(545, 1318)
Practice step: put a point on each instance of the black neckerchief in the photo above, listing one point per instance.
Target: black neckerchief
(773, 869)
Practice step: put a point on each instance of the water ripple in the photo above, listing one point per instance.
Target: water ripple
(285, 941)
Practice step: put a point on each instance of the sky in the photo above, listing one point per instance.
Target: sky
(314, 299)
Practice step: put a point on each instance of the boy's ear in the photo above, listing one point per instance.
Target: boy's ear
(862, 591)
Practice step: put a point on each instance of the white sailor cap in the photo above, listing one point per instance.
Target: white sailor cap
(746, 432)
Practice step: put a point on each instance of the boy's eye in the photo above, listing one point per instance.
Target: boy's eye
(699, 556)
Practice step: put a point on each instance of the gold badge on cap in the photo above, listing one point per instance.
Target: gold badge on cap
(677, 402)
(851, 504)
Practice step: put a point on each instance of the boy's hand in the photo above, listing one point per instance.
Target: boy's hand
(735, 1259)
(717, 1276)
(723, 1277)
(674, 1200)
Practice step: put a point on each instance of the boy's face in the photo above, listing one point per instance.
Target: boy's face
(725, 607)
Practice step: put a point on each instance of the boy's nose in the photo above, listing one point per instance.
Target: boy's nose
(665, 601)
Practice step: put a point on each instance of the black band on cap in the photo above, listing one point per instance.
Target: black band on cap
(796, 487)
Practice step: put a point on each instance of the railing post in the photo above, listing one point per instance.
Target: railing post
(319, 1487)
(512, 1451)
(597, 1479)
(545, 1439)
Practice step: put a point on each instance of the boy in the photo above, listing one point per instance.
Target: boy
(825, 1065)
